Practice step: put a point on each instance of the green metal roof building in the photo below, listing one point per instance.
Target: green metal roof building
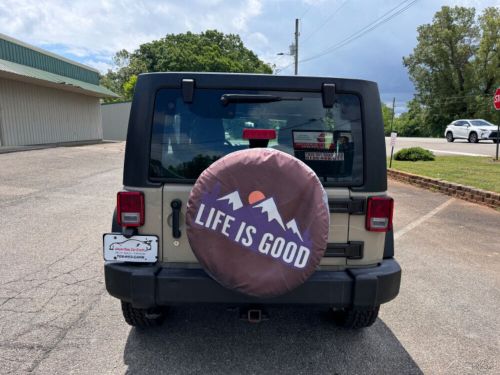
(46, 98)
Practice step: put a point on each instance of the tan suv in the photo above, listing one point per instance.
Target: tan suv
(251, 190)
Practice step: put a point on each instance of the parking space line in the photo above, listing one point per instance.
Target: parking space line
(427, 216)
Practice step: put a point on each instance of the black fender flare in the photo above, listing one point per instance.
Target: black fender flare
(389, 245)
(115, 227)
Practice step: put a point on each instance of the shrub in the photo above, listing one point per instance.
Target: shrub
(414, 154)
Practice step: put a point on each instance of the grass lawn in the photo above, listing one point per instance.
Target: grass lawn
(479, 172)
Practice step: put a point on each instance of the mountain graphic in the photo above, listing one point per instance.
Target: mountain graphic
(233, 199)
(269, 206)
(292, 225)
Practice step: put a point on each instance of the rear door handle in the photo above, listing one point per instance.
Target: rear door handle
(176, 205)
(354, 206)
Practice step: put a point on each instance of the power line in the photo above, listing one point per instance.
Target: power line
(453, 99)
(386, 17)
(294, 49)
(307, 10)
(466, 96)
(277, 71)
(325, 21)
(456, 99)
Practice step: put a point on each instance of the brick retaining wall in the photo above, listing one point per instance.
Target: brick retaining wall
(484, 197)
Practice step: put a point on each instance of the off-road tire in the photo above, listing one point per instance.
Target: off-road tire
(473, 138)
(142, 318)
(449, 137)
(355, 318)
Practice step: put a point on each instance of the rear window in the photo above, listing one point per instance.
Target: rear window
(188, 137)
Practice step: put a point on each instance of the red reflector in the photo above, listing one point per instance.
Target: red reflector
(259, 134)
(379, 214)
(130, 208)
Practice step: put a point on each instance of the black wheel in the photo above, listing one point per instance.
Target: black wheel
(473, 138)
(449, 137)
(356, 318)
(142, 318)
(496, 141)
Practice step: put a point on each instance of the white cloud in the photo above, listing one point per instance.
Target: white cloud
(102, 66)
(95, 30)
(252, 9)
(257, 41)
(77, 51)
(313, 2)
(91, 31)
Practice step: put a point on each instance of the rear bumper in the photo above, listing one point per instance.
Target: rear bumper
(149, 286)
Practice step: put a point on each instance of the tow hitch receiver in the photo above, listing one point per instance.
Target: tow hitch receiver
(253, 315)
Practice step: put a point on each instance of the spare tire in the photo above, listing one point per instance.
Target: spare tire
(257, 221)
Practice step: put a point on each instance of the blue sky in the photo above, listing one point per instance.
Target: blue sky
(91, 31)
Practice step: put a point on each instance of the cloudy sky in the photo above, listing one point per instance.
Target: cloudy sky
(332, 38)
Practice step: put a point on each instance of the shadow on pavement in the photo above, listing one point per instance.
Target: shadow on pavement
(212, 339)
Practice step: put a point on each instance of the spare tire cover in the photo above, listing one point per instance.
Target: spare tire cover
(257, 221)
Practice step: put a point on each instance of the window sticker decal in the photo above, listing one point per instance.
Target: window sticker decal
(315, 140)
(324, 156)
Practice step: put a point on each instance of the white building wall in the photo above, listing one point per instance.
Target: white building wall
(31, 114)
(115, 120)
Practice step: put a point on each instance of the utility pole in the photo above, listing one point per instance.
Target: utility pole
(296, 49)
(393, 135)
(393, 105)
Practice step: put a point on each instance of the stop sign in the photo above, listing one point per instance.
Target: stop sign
(496, 99)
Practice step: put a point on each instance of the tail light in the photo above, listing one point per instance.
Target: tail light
(130, 208)
(379, 214)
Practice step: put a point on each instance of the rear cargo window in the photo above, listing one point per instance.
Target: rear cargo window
(188, 137)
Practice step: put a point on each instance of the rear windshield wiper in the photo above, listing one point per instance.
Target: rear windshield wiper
(254, 98)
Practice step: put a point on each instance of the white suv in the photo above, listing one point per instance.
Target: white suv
(472, 130)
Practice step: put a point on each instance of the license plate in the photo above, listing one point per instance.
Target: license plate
(117, 247)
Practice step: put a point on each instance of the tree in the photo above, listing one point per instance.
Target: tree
(412, 123)
(487, 62)
(455, 65)
(209, 51)
(387, 117)
(487, 66)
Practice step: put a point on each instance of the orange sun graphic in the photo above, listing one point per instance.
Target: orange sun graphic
(255, 196)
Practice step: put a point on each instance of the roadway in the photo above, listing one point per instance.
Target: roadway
(57, 318)
(441, 147)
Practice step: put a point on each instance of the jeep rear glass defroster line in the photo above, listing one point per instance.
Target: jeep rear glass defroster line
(254, 98)
(188, 137)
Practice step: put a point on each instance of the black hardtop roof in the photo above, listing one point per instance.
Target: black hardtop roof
(136, 169)
(251, 80)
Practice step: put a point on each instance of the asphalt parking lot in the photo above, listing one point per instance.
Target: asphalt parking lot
(56, 318)
(440, 147)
